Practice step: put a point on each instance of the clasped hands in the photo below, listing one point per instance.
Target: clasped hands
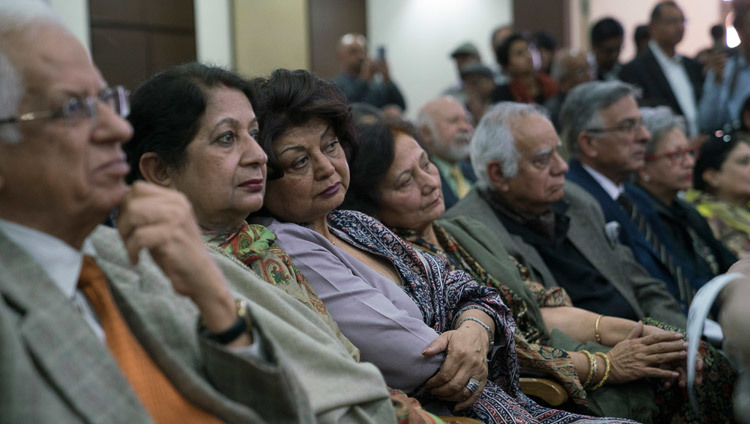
(650, 352)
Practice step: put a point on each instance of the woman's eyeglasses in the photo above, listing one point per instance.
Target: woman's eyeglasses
(675, 156)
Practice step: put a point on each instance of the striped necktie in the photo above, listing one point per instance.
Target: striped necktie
(665, 257)
(157, 394)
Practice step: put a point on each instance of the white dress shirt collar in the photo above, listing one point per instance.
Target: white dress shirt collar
(612, 189)
(60, 261)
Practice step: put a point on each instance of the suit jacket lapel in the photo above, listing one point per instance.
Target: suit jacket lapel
(78, 365)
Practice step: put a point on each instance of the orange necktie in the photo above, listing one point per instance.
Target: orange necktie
(162, 401)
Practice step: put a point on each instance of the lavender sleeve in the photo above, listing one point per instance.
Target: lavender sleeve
(373, 312)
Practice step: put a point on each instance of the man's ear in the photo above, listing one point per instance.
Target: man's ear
(426, 135)
(154, 170)
(587, 144)
(496, 176)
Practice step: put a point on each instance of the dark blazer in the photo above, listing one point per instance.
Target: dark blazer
(695, 222)
(646, 295)
(644, 71)
(629, 234)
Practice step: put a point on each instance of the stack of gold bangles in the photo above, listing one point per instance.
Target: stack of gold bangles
(593, 370)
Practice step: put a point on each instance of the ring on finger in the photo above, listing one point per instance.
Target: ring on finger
(472, 385)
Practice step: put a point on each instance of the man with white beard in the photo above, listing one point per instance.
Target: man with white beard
(446, 130)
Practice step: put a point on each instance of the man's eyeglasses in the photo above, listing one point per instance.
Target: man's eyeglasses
(675, 155)
(629, 126)
(76, 108)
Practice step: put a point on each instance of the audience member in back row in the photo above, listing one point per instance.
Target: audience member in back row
(721, 182)
(551, 336)
(570, 69)
(94, 329)
(606, 43)
(363, 79)
(558, 231)
(398, 306)
(666, 77)
(605, 137)
(685, 233)
(446, 132)
(525, 84)
(727, 86)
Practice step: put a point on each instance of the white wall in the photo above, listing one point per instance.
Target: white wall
(700, 15)
(213, 32)
(75, 16)
(420, 34)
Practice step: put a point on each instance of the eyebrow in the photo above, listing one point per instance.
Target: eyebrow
(222, 122)
(543, 152)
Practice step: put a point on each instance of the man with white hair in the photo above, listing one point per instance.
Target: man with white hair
(93, 328)
(446, 130)
(553, 227)
(603, 130)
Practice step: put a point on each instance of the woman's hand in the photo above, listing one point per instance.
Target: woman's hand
(647, 356)
(466, 357)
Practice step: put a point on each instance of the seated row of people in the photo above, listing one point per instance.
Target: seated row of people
(341, 282)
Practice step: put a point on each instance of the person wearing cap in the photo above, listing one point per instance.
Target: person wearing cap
(462, 55)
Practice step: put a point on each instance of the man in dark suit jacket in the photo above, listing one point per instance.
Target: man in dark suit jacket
(603, 131)
(446, 130)
(667, 78)
(75, 295)
(553, 227)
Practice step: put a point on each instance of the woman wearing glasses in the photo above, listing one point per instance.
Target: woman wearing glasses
(695, 254)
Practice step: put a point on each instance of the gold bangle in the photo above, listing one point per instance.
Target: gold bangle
(596, 330)
(592, 364)
(606, 370)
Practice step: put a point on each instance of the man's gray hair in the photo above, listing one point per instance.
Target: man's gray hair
(494, 141)
(16, 16)
(580, 111)
(660, 121)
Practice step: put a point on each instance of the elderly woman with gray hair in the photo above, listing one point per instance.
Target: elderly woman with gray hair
(668, 170)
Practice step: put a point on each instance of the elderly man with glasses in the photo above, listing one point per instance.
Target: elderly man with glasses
(137, 324)
(603, 131)
(553, 227)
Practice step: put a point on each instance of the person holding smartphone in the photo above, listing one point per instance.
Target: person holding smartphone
(364, 79)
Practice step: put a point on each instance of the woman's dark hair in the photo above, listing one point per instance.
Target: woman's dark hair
(503, 51)
(290, 99)
(713, 153)
(377, 146)
(166, 111)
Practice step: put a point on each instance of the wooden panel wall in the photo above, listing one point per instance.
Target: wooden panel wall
(133, 39)
(329, 20)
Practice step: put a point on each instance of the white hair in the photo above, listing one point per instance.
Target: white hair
(17, 16)
(494, 140)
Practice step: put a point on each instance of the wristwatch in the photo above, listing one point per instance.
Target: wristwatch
(243, 324)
